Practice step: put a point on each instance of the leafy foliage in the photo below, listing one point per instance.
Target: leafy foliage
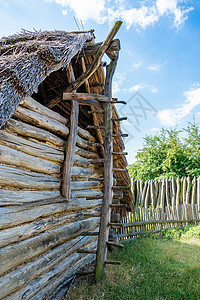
(167, 154)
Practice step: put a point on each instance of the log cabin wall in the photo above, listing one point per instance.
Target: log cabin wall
(40, 231)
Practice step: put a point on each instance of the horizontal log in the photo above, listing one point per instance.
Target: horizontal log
(85, 272)
(111, 262)
(131, 234)
(13, 177)
(115, 244)
(22, 160)
(94, 233)
(87, 251)
(85, 145)
(139, 223)
(46, 285)
(80, 161)
(95, 160)
(86, 96)
(120, 135)
(85, 154)
(85, 135)
(12, 282)
(78, 172)
(30, 131)
(119, 119)
(90, 184)
(13, 216)
(39, 120)
(117, 194)
(118, 205)
(95, 127)
(35, 106)
(120, 153)
(19, 197)
(14, 255)
(90, 194)
(121, 187)
(93, 48)
(116, 224)
(28, 230)
(95, 179)
(29, 147)
(96, 111)
(120, 170)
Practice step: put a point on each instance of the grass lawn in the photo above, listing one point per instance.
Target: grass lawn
(152, 268)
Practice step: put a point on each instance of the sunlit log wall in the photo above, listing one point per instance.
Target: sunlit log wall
(166, 192)
(40, 231)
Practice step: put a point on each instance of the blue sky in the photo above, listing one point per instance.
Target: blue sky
(159, 67)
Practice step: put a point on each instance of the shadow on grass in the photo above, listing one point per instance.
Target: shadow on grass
(151, 269)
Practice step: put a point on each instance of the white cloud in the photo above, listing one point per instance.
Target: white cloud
(146, 15)
(84, 10)
(118, 82)
(172, 117)
(156, 67)
(154, 90)
(137, 65)
(172, 7)
(137, 87)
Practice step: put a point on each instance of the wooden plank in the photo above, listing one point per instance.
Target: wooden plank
(13, 157)
(85, 154)
(92, 194)
(39, 150)
(13, 216)
(39, 120)
(85, 185)
(86, 96)
(71, 142)
(12, 177)
(30, 131)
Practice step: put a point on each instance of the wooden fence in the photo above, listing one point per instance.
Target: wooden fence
(166, 192)
(153, 220)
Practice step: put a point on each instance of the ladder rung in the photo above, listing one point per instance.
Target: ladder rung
(95, 127)
(118, 205)
(112, 262)
(118, 102)
(122, 187)
(91, 251)
(92, 215)
(90, 233)
(116, 224)
(95, 179)
(115, 244)
(95, 111)
(119, 170)
(120, 153)
(120, 134)
(119, 119)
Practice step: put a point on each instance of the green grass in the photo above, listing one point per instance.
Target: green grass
(166, 267)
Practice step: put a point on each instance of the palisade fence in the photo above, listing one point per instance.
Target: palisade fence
(153, 220)
(161, 204)
(166, 192)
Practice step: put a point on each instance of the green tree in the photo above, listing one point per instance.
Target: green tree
(166, 154)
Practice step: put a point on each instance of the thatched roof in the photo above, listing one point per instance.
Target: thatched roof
(28, 58)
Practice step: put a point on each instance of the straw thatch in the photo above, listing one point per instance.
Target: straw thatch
(28, 58)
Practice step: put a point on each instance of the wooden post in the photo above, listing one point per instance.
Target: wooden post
(71, 142)
(108, 177)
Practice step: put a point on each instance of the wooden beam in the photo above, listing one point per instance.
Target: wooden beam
(108, 175)
(94, 66)
(93, 48)
(86, 96)
(71, 142)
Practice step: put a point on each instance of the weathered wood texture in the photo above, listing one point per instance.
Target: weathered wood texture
(71, 142)
(40, 231)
